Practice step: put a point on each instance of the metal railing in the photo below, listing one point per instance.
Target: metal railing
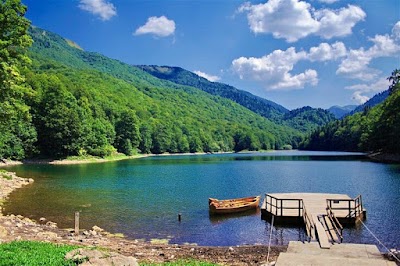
(281, 207)
(278, 206)
(335, 222)
(353, 207)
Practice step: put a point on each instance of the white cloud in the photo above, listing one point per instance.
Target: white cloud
(207, 76)
(378, 86)
(337, 23)
(396, 31)
(328, 1)
(274, 69)
(288, 19)
(356, 64)
(105, 10)
(296, 19)
(158, 26)
(359, 98)
(374, 87)
(327, 52)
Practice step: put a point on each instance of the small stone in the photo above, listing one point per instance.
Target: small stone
(97, 229)
(42, 219)
(86, 233)
(51, 224)
(50, 235)
(231, 249)
(18, 225)
(3, 232)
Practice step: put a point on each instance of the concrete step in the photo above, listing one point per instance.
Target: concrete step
(296, 259)
(337, 250)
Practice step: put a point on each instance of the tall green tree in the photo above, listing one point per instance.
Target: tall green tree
(58, 120)
(128, 134)
(17, 132)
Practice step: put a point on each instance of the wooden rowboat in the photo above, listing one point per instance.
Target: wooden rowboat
(233, 205)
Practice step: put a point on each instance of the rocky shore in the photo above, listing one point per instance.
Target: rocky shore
(17, 227)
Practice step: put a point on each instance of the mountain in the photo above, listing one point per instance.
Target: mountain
(261, 106)
(307, 118)
(377, 99)
(375, 129)
(84, 103)
(341, 111)
(303, 119)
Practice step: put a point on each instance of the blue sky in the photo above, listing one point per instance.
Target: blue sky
(316, 52)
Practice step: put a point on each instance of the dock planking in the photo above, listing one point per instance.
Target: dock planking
(320, 212)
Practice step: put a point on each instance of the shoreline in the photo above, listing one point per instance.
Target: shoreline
(384, 157)
(16, 227)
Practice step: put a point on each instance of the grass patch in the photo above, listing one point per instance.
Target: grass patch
(5, 174)
(181, 263)
(34, 253)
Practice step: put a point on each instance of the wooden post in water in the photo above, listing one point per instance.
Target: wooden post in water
(179, 217)
(76, 223)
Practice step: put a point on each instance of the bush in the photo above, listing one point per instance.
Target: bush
(33, 253)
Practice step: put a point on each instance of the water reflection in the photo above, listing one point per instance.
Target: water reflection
(141, 198)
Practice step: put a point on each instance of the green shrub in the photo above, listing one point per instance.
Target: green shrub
(33, 253)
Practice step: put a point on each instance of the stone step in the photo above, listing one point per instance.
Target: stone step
(297, 259)
(342, 250)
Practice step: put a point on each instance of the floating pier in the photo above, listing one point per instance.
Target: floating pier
(322, 214)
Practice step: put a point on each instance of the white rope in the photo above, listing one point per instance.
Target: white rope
(394, 256)
(270, 236)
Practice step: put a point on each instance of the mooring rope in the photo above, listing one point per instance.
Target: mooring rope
(270, 236)
(394, 256)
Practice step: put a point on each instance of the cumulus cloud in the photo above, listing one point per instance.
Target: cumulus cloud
(380, 85)
(157, 26)
(362, 89)
(296, 19)
(338, 23)
(327, 52)
(274, 69)
(396, 31)
(105, 10)
(359, 98)
(211, 78)
(357, 62)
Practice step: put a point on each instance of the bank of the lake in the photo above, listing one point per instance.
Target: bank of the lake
(17, 227)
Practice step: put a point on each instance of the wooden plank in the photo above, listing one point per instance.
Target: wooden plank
(330, 229)
(322, 236)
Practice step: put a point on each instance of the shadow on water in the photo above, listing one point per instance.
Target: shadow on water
(220, 218)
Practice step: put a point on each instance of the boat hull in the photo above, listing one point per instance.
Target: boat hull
(233, 205)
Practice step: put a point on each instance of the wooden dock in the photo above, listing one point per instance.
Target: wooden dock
(322, 214)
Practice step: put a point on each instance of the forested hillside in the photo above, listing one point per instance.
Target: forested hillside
(374, 129)
(259, 105)
(63, 101)
(303, 119)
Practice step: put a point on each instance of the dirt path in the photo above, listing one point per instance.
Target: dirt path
(14, 227)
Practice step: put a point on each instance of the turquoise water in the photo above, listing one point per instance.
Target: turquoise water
(142, 198)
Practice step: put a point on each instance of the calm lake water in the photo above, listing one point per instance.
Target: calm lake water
(142, 198)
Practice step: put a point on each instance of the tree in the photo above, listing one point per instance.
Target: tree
(127, 130)
(18, 134)
(58, 121)
(395, 80)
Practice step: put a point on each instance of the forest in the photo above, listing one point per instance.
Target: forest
(375, 129)
(57, 100)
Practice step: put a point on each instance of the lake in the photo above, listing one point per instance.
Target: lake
(142, 198)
